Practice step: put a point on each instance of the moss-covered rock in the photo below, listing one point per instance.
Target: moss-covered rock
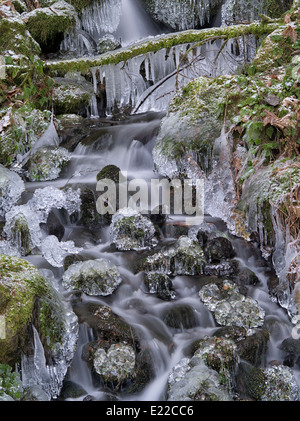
(277, 383)
(194, 121)
(159, 284)
(191, 379)
(15, 40)
(72, 96)
(46, 24)
(111, 172)
(26, 296)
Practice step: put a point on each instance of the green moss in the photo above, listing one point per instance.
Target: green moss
(13, 37)
(111, 172)
(165, 41)
(10, 384)
(46, 23)
(26, 297)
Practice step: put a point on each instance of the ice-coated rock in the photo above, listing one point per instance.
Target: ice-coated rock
(11, 188)
(22, 226)
(185, 257)
(115, 365)
(191, 379)
(47, 198)
(93, 277)
(230, 307)
(55, 251)
(47, 163)
(160, 284)
(132, 231)
(280, 384)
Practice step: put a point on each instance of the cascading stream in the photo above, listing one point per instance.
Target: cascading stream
(166, 329)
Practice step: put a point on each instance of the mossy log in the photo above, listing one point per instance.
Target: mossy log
(60, 68)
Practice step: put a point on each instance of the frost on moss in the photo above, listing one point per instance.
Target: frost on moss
(15, 40)
(24, 126)
(72, 96)
(194, 121)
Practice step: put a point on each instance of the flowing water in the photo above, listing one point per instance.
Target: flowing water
(128, 144)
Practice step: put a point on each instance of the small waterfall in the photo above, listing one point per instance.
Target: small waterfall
(135, 23)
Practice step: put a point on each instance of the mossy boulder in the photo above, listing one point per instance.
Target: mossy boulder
(191, 379)
(159, 284)
(27, 297)
(112, 333)
(48, 24)
(111, 172)
(72, 96)
(276, 50)
(130, 230)
(277, 383)
(15, 40)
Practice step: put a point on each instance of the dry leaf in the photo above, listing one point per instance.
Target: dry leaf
(290, 32)
(287, 18)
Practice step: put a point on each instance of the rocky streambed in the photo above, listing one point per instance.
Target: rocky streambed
(144, 305)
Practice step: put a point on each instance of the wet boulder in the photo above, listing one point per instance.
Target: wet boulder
(218, 247)
(251, 346)
(48, 24)
(115, 344)
(28, 298)
(132, 231)
(15, 40)
(276, 383)
(180, 316)
(93, 277)
(72, 95)
(111, 172)
(231, 308)
(159, 284)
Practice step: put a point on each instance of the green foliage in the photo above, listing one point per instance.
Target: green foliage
(9, 383)
(35, 86)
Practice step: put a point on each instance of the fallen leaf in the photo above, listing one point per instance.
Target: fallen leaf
(290, 32)
(287, 18)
